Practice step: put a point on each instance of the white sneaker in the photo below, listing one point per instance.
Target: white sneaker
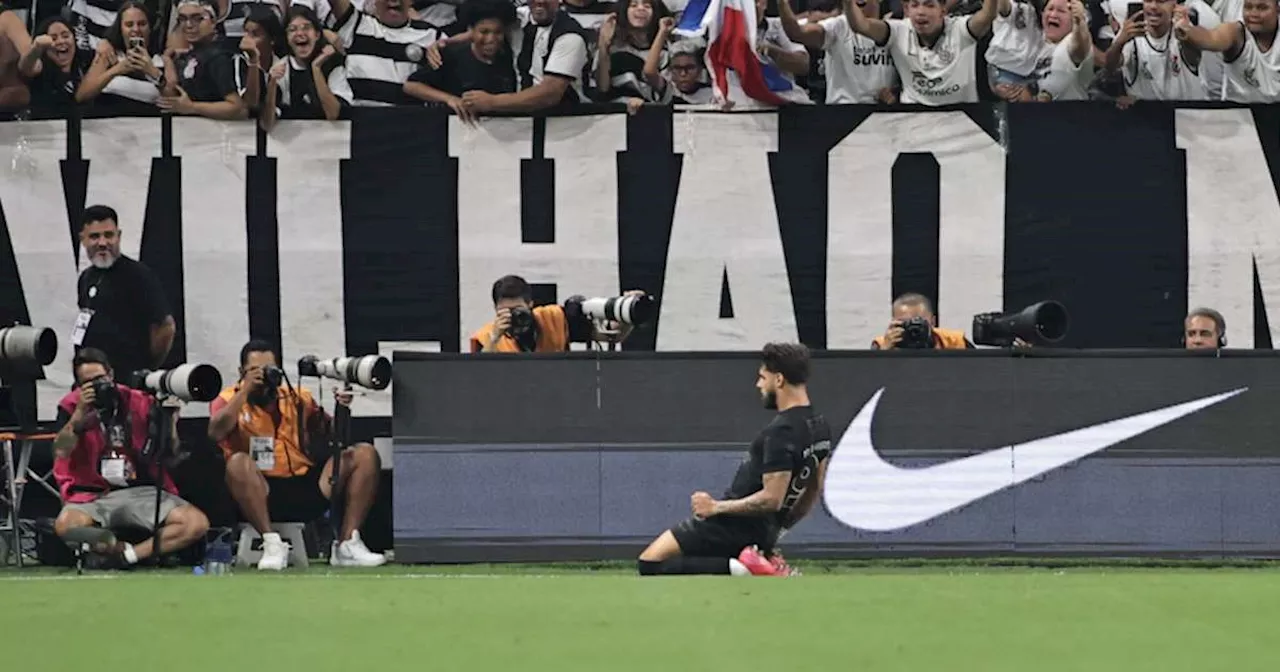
(353, 553)
(275, 552)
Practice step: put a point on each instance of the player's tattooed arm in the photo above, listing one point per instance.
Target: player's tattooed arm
(810, 497)
(768, 500)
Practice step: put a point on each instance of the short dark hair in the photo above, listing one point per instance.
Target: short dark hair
(913, 299)
(1219, 322)
(89, 356)
(789, 359)
(268, 18)
(475, 11)
(256, 345)
(99, 213)
(512, 287)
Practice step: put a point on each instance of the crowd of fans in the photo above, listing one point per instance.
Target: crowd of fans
(234, 59)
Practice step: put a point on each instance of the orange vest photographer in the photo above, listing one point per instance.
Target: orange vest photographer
(910, 306)
(264, 426)
(519, 326)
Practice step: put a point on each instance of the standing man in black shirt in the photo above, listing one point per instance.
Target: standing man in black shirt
(774, 488)
(123, 310)
(482, 64)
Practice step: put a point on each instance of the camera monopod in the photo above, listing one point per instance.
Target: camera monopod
(369, 371)
(184, 383)
(162, 428)
(339, 439)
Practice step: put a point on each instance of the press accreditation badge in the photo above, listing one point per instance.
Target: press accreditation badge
(81, 326)
(113, 469)
(263, 450)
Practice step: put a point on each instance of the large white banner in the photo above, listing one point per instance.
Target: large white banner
(727, 222)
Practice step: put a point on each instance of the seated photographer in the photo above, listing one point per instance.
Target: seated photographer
(913, 327)
(272, 437)
(519, 326)
(104, 470)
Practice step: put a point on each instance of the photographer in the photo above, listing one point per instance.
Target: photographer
(272, 437)
(913, 327)
(521, 327)
(103, 469)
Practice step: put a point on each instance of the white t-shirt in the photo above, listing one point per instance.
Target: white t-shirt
(1211, 65)
(857, 69)
(1155, 69)
(1212, 69)
(1016, 40)
(1254, 77)
(141, 90)
(568, 56)
(941, 75)
(1059, 76)
(1229, 10)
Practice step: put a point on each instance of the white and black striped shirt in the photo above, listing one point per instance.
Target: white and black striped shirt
(324, 10)
(381, 58)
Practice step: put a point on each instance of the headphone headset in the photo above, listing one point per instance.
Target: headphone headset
(1218, 321)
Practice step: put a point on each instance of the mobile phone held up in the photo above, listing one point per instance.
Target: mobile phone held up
(139, 43)
(1135, 8)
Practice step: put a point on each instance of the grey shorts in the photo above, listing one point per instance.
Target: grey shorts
(131, 507)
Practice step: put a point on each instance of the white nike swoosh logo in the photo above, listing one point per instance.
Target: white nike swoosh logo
(865, 492)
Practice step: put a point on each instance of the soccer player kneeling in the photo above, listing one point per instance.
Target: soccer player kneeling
(773, 489)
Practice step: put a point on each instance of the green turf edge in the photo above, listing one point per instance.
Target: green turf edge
(811, 567)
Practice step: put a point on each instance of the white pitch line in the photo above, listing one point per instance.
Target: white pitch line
(60, 577)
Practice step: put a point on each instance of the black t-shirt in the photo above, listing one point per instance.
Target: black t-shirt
(302, 101)
(462, 72)
(126, 301)
(797, 440)
(55, 90)
(207, 73)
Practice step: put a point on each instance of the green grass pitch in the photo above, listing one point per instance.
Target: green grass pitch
(604, 619)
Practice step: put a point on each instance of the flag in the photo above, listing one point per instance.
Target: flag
(730, 28)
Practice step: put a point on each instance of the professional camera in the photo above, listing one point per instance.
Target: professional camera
(631, 310)
(917, 334)
(188, 382)
(106, 398)
(521, 321)
(21, 344)
(272, 377)
(370, 371)
(1043, 323)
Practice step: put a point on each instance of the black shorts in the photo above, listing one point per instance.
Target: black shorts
(723, 536)
(297, 499)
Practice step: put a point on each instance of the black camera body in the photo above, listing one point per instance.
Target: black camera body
(521, 321)
(272, 377)
(106, 398)
(917, 334)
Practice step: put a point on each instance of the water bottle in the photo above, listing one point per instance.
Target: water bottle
(218, 555)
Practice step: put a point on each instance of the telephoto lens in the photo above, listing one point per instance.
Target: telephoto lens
(368, 371)
(630, 309)
(188, 382)
(21, 344)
